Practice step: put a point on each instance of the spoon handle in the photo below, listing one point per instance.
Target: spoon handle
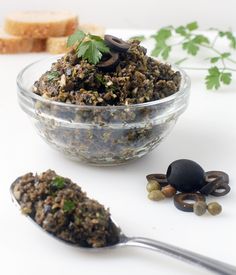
(182, 254)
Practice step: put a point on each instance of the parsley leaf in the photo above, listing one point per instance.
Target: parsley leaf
(200, 39)
(192, 26)
(215, 59)
(162, 35)
(181, 30)
(52, 75)
(226, 78)
(191, 47)
(229, 35)
(90, 47)
(68, 206)
(225, 55)
(75, 37)
(161, 47)
(58, 182)
(213, 78)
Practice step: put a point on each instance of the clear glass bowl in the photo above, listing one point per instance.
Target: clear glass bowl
(100, 135)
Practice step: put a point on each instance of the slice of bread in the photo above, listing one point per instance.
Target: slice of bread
(16, 44)
(41, 24)
(57, 45)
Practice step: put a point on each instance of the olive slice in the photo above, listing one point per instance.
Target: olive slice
(109, 62)
(116, 43)
(218, 187)
(161, 178)
(179, 201)
(208, 188)
(216, 181)
(215, 188)
(211, 175)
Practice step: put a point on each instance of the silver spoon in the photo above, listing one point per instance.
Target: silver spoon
(164, 248)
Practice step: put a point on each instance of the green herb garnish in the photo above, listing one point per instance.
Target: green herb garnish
(52, 75)
(138, 37)
(193, 42)
(89, 47)
(68, 205)
(58, 183)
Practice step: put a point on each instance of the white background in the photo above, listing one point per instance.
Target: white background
(137, 13)
(206, 133)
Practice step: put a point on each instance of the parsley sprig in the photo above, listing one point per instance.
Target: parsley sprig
(193, 42)
(89, 47)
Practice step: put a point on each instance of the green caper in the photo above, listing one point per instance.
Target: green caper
(214, 208)
(153, 185)
(199, 208)
(156, 195)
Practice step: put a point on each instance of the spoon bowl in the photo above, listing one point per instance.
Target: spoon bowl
(213, 265)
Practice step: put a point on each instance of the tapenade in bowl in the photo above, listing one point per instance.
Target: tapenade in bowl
(105, 102)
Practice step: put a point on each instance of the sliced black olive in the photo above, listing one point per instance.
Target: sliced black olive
(211, 175)
(216, 181)
(161, 178)
(208, 188)
(116, 43)
(181, 204)
(109, 62)
(185, 175)
(217, 192)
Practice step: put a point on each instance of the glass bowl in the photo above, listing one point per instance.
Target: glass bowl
(100, 135)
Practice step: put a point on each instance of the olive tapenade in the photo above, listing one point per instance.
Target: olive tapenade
(134, 78)
(60, 207)
(104, 120)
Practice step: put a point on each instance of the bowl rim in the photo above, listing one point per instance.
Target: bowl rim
(185, 84)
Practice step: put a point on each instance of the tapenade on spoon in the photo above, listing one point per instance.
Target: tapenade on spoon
(60, 207)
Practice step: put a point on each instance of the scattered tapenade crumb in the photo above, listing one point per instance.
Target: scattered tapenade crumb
(60, 207)
(137, 78)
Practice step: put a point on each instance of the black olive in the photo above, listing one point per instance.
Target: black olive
(185, 175)
(217, 175)
(181, 204)
(109, 62)
(116, 43)
(216, 181)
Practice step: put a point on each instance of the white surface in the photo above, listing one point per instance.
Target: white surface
(206, 133)
(136, 13)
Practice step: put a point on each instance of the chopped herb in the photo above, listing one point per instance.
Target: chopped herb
(58, 183)
(100, 79)
(68, 205)
(138, 37)
(89, 47)
(52, 75)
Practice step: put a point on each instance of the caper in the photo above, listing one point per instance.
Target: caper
(156, 195)
(169, 191)
(214, 208)
(153, 185)
(199, 208)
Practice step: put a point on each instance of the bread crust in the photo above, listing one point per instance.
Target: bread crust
(41, 26)
(16, 44)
